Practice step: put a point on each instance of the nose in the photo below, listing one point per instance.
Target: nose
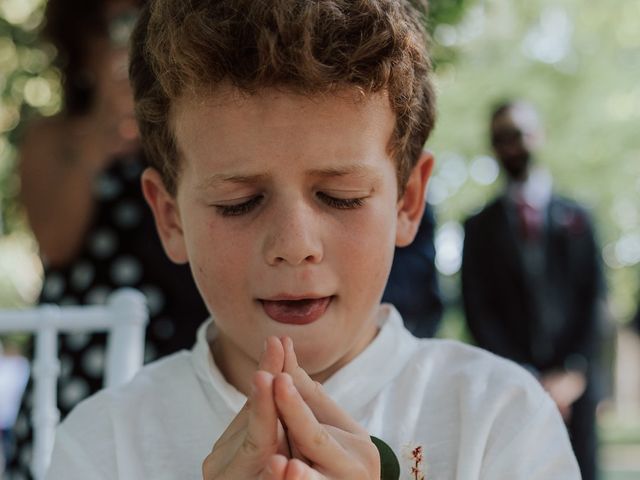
(293, 237)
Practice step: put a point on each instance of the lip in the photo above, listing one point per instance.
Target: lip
(296, 309)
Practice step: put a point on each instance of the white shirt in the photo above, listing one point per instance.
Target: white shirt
(474, 415)
(535, 191)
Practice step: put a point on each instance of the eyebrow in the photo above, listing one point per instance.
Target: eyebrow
(220, 178)
(355, 169)
(239, 179)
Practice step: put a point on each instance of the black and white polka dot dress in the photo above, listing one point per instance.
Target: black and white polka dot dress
(121, 249)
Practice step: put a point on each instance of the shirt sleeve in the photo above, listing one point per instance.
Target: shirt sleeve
(538, 448)
(84, 446)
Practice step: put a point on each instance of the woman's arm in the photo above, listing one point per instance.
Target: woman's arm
(59, 159)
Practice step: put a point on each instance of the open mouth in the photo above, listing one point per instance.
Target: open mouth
(296, 312)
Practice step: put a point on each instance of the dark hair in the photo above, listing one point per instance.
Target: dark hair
(69, 24)
(306, 46)
(501, 108)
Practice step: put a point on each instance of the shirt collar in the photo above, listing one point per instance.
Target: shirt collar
(535, 191)
(352, 387)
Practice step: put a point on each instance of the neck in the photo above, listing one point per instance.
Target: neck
(237, 367)
(522, 177)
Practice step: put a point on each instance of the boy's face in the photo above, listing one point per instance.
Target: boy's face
(287, 210)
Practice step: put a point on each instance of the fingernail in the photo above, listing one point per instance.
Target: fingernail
(264, 345)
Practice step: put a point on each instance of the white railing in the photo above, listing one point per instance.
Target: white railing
(123, 317)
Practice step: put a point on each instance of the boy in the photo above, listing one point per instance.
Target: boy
(286, 141)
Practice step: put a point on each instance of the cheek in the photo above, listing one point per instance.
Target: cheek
(216, 255)
(367, 245)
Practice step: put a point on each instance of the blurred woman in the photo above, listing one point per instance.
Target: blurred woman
(80, 187)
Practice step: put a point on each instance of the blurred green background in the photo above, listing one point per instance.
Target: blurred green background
(578, 61)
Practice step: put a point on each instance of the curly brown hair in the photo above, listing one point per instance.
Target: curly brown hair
(305, 46)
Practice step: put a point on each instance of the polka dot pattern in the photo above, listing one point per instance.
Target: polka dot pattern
(53, 287)
(98, 295)
(103, 243)
(72, 391)
(163, 328)
(93, 361)
(121, 249)
(108, 186)
(77, 341)
(126, 271)
(82, 275)
(155, 299)
(127, 214)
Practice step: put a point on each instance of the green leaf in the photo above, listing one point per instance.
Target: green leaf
(389, 465)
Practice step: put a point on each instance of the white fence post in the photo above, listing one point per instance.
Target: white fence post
(125, 344)
(45, 414)
(124, 317)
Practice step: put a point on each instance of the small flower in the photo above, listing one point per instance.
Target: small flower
(415, 456)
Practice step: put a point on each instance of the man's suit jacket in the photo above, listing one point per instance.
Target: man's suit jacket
(498, 295)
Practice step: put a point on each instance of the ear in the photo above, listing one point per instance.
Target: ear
(166, 215)
(411, 205)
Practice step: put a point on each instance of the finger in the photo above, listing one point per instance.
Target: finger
(272, 358)
(275, 469)
(324, 408)
(294, 450)
(238, 424)
(233, 439)
(311, 438)
(262, 427)
(298, 470)
(283, 441)
(271, 361)
(261, 438)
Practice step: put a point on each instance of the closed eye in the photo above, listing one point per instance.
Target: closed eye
(341, 203)
(240, 208)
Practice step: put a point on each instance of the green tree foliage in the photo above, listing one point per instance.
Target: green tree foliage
(578, 61)
(27, 83)
(30, 84)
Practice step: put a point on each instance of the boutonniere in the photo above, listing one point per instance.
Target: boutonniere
(415, 456)
(574, 222)
(389, 465)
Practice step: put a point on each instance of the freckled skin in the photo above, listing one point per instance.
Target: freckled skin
(260, 211)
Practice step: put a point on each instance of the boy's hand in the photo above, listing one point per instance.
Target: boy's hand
(332, 444)
(255, 434)
(325, 442)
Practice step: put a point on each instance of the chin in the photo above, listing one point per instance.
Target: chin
(313, 359)
(320, 364)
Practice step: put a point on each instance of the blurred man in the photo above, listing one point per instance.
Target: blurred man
(532, 281)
